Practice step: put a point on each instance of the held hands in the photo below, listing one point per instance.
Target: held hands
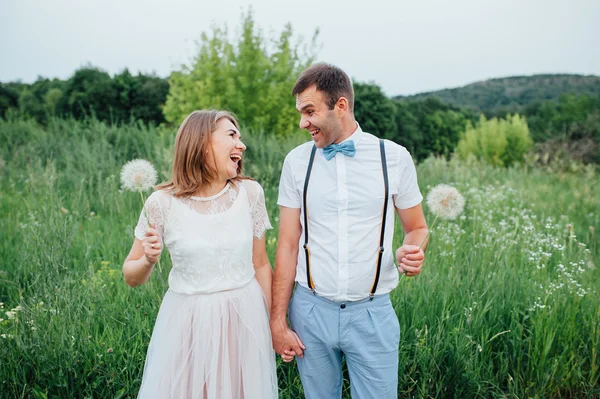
(152, 245)
(410, 259)
(287, 344)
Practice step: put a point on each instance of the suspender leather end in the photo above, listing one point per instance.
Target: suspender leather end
(371, 296)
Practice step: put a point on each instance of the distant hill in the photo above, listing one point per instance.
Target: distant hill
(513, 93)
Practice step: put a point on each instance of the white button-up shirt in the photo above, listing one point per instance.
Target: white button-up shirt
(345, 205)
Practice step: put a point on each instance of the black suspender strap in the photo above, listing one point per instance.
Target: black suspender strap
(385, 203)
(309, 279)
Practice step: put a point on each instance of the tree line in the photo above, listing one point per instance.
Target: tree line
(251, 74)
(90, 92)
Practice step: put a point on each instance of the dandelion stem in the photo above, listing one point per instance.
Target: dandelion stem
(429, 231)
(148, 220)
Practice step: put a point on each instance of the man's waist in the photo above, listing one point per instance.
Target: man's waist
(353, 302)
(342, 297)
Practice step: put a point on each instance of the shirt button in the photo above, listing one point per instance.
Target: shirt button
(343, 306)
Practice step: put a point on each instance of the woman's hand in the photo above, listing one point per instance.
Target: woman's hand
(152, 245)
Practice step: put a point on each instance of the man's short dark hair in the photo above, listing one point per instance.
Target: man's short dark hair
(329, 79)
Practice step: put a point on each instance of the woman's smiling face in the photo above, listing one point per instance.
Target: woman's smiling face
(226, 150)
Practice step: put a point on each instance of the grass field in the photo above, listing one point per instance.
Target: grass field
(508, 304)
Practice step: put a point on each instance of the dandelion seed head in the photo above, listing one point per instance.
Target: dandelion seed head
(138, 175)
(445, 201)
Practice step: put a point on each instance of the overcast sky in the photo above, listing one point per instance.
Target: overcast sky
(404, 46)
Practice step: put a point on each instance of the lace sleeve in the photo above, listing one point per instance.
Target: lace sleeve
(154, 212)
(258, 209)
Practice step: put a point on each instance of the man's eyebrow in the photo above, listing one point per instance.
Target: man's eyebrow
(305, 107)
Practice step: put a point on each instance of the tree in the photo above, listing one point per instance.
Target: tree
(251, 76)
(374, 110)
(52, 99)
(90, 91)
(30, 105)
(9, 98)
(429, 126)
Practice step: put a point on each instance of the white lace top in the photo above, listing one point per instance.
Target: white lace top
(209, 239)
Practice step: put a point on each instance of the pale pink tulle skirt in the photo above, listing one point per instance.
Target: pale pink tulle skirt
(211, 346)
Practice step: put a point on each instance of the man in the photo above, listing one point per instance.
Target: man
(335, 243)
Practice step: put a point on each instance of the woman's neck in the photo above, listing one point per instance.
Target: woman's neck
(210, 189)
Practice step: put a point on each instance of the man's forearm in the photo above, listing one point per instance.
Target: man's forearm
(416, 237)
(283, 284)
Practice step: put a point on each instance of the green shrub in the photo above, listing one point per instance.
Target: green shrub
(500, 142)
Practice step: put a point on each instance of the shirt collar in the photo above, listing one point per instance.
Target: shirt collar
(356, 136)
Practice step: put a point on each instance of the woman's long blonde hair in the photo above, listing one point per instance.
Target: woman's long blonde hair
(190, 169)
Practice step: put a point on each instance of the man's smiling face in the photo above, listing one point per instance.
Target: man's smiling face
(321, 122)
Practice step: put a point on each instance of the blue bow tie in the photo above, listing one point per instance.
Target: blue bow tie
(346, 148)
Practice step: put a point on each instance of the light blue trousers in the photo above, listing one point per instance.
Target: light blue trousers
(365, 332)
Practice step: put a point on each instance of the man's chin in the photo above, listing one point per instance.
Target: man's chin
(319, 143)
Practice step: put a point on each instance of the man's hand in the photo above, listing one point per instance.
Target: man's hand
(287, 343)
(410, 259)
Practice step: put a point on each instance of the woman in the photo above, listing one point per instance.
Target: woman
(212, 337)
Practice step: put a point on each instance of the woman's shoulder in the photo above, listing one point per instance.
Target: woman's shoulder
(161, 196)
(252, 187)
(251, 184)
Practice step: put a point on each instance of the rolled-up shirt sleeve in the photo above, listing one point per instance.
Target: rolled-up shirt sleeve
(289, 196)
(409, 194)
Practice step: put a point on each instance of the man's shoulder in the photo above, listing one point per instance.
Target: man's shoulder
(392, 149)
(301, 152)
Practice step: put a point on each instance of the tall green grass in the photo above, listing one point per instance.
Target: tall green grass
(507, 304)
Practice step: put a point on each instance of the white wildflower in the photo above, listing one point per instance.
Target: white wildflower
(445, 201)
(138, 175)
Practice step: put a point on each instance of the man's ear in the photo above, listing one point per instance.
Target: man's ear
(342, 106)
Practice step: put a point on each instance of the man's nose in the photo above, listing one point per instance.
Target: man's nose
(304, 123)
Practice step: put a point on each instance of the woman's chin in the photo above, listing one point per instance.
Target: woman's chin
(232, 174)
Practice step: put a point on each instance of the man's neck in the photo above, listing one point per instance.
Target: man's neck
(349, 126)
